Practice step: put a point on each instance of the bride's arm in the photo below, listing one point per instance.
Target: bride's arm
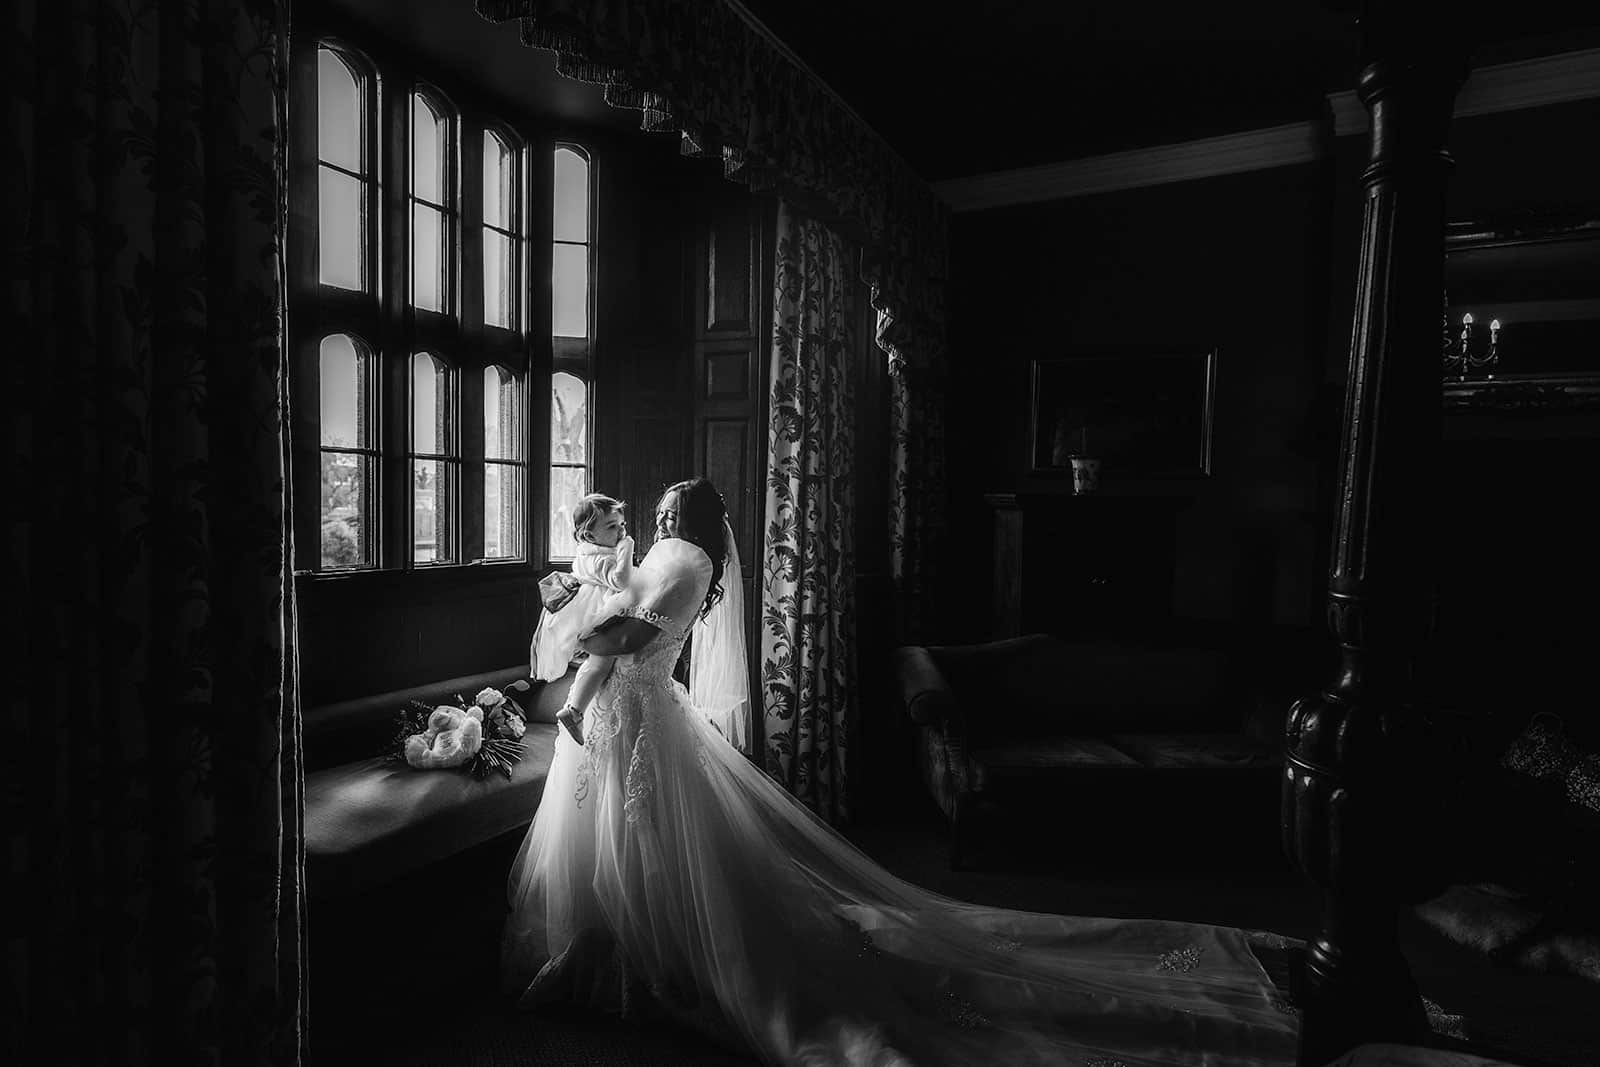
(617, 636)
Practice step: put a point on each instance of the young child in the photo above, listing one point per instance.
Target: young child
(602, 566)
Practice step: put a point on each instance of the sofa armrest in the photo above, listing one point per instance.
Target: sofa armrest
(922, 688)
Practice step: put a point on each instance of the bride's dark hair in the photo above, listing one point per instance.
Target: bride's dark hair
(701, 514)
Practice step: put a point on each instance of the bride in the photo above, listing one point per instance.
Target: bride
(665, 873)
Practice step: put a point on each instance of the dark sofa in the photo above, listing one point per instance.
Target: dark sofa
(369, 819)
(1114, 724)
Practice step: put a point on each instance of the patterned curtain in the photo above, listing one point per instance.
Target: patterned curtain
(710, 72)
(154, 839)
(808, 670)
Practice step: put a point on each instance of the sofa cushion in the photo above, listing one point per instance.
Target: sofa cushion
(1517, 929)
(1044, 756)
(375, 818)
(1183, 751)
(1531, 820)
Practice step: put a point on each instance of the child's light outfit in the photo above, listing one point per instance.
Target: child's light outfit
(600, 572)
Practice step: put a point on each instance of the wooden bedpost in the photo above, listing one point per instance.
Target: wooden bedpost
(1348, 802)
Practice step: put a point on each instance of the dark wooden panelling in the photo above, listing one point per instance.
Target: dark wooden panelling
(730, 269)
(644, 383)
(729, 374)
(726, 446)
(373, 634)
(727, 272)
(654, 446)
(729, 410)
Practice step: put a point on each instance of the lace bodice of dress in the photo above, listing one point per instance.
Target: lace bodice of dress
(625, 720)
(653, 664)
(620, 736)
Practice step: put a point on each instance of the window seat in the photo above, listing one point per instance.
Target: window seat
(369, 819)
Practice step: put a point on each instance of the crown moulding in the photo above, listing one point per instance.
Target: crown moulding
(1530, 83)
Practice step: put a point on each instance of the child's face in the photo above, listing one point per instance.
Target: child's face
(609, 528)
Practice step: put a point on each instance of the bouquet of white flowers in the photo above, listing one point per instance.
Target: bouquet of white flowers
(483, 736)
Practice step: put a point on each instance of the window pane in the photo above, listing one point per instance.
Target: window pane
(571, 291)
(430, 510)
(427, 264)
(502, 415)
(344, 394)
(502, 511)
(497, 275)
(346, 510)
(569, 419)
(572, 196)
(428, 145)
(339, 251)
(430, 404)
(497, 170)
(567, 486)
(338, 112)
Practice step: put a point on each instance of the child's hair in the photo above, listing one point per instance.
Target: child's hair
(588, 510)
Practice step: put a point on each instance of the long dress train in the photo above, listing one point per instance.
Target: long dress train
(664, 869)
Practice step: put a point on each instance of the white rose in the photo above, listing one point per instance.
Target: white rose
(503, 722)
(489, 698)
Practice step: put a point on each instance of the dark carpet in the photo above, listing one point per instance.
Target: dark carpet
(407, 975)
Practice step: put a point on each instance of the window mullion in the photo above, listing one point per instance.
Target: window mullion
(396, 345)
(469, 213)
(471, 444)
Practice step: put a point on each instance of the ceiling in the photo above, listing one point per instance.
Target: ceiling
(1006, 83)
(1022, 82)
(1015, 83)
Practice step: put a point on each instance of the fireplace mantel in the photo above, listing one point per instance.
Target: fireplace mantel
(1098, 564)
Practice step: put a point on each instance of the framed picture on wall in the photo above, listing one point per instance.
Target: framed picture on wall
(1144, 413)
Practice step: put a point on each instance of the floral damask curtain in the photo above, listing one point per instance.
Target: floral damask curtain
(808, 669)
(154, 845)
(710, 72)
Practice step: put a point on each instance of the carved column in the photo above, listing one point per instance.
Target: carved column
(1348, 803)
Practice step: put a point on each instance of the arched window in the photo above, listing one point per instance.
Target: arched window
(349, 454)
(502, 230)
(505, 466)
(433, 204)
(345, 102)
(571, 388)
(395, 368)
(570, 267)
(435, 460)
(569, 457)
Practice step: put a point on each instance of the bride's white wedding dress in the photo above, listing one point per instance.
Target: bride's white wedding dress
(666, 873)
